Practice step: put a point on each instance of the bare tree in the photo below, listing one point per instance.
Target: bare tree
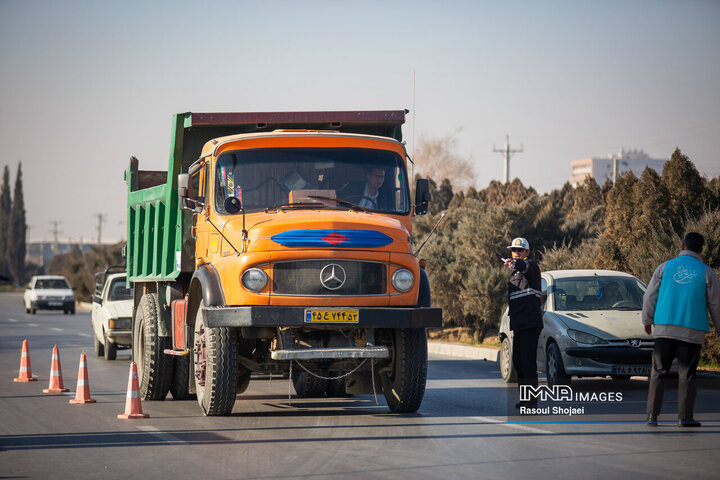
(438, 158)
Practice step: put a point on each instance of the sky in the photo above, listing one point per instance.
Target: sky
(84, 85)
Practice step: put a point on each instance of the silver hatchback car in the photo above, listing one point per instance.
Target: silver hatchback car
(592, 327)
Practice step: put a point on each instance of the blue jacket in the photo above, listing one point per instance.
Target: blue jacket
(682, 300)
(679, 296)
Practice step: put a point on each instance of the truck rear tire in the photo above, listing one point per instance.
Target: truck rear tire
(214, 367)
(180, 385)
(154, 367)
(308, 386)
(404, 385)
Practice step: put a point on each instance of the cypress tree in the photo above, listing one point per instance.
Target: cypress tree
(650, 198)
(686, 188)
(17, 231)
(5, 206)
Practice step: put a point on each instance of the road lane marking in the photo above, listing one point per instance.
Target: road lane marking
(84, 334)
(32, 324)
(12, 320)
(516, 426)
(56, 329)
(166, 437)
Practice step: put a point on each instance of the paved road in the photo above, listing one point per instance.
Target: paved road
(461, 430)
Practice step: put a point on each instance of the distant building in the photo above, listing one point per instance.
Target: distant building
(40, 253)
(602, 168)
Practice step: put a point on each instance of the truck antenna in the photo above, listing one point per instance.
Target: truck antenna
(442, 215)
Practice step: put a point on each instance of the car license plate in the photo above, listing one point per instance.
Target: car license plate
(641, 370)
(54, 304)
(345, 315)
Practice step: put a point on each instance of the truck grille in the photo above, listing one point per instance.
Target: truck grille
(329, 277)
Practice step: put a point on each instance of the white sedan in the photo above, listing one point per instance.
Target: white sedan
(111, 314)
(592, 327)
(49, 292)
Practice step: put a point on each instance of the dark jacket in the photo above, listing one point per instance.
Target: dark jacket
(524, 296)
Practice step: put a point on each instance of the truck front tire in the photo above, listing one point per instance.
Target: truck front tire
(154, 367)
(404, 384)
(214, 367)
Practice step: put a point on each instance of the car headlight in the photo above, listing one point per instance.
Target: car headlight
(403, 280)
(582, 337)
(254, 279)
(69, 298)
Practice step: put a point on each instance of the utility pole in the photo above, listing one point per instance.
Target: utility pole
(55, 230)
(507, 153)
(101, 219)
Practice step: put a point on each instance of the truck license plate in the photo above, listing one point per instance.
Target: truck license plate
(631, 370)
(313, 315)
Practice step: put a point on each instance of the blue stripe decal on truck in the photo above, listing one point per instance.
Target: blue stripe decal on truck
(332, 238)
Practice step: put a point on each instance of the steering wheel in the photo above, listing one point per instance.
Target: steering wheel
(624, 303)
(356, 199)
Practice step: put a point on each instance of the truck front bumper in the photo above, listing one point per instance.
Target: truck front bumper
(368, 317)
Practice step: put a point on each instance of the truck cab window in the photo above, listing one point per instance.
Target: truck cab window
(260, 179)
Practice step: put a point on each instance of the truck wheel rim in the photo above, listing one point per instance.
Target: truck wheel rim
(200, 356)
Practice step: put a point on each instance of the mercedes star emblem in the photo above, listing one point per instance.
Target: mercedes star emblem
(332, 276)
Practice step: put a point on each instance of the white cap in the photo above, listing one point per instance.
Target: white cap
(520, 243)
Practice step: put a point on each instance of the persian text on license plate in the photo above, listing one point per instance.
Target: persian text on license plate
(631, 370)
(313, 315)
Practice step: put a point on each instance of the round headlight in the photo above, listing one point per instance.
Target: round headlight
(254, 279)
(403, 280)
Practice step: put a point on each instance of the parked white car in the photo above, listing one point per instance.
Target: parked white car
(49, 292)
(111, 314)
(592, 327)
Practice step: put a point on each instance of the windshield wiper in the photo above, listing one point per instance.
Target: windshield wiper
(341, 202)
(294, 205)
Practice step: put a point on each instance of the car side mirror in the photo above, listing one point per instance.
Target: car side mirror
(422, 196)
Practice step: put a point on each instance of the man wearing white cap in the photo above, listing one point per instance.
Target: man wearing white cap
(524, 304)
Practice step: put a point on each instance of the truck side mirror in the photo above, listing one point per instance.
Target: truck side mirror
(422, 196)
(183, 183)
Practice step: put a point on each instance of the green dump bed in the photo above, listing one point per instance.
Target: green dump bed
(159, 245)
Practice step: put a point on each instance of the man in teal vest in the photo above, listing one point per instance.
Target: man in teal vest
(677, 300)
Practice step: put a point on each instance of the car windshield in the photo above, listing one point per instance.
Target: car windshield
(598, 293)
(360, 178)
(51, 284)
(119, 290)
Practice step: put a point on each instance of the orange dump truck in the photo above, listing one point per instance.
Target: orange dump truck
(279, 243)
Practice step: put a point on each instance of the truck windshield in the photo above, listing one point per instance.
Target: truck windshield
(375, 180)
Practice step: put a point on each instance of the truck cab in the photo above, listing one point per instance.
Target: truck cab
(292, 254)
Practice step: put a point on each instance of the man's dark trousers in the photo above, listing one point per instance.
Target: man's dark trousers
(688, 355)
(525, 355)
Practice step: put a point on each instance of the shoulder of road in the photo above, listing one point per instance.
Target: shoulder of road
(463, 351)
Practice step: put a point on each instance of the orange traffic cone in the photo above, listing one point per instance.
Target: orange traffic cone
(82, 392)
(56, 381)
(133, 407)
(25, 374)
